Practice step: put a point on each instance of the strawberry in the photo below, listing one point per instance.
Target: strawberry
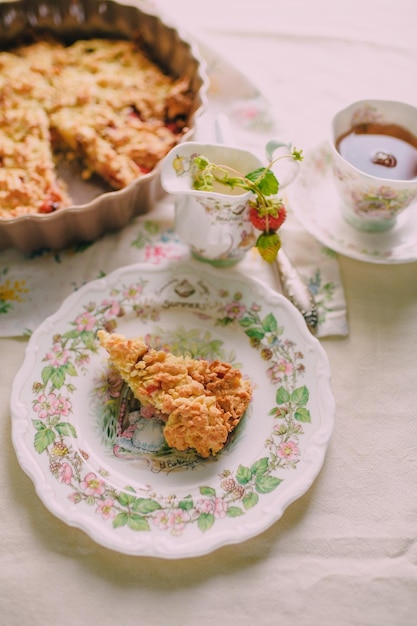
(268, 245)
(269, 221)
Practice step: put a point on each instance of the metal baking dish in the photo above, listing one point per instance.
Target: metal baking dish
(98, 210)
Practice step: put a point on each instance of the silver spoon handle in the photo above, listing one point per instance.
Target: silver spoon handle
(296, 290)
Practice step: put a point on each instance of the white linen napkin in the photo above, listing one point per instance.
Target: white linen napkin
(319, 267)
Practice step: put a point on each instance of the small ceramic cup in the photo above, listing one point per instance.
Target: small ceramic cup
(215, 224)
(371, 200)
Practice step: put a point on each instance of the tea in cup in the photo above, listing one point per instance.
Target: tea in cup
(374, 152)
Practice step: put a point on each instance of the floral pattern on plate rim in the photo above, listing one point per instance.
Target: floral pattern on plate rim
(239, 490)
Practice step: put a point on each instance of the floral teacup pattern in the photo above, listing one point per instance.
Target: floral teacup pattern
(371, 202)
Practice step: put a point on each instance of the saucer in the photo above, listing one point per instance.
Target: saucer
(315, 202)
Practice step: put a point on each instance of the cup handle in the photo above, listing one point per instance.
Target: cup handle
(273, 145)
(287, 169)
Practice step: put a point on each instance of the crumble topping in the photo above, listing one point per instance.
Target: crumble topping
(102, 101)
(201, 401)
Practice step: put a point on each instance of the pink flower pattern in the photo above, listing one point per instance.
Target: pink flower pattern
(47, 405)
(235, 310)
(279, 370)
(66, 473)
(132, 292)
(157, 253)
(217, 506)
(288, 450)
(171, 519)
(106, 509)
(62, 406)
(92, 485)
(58, 355)
(85, 321)
(113, 309)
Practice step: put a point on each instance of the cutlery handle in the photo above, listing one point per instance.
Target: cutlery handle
(296, 290)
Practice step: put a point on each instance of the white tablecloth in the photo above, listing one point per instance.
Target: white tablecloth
(345, 553)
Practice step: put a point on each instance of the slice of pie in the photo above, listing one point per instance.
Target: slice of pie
(116, 145)
(28, 181)
(202, 401)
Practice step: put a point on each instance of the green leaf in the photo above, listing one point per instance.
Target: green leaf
(246, 321)
(224, 321)
(120, 520)
(5, 307)
(282, 396)
(260, 467)
(300, 396)
(255, 333)
(207, 491)
(38, 424)
(205, 521)
(140, 241)
(46, 373)
(126, 499)
(243, 475)
(71, 334)
(88, 337)
(57, 377)
(186, 505)
(137, 522)
(43, 438)
(234, 511)
(70, 369)
(66, 429)
(145, 506)
(265, 180)
(270, 323)
(302, 415)
(266, 484)
(250, 500)
(151, 227)
(209, 348)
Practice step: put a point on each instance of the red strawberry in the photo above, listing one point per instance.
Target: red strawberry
(268, 222)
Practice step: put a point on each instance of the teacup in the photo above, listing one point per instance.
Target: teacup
(374, 153)
(215, 224)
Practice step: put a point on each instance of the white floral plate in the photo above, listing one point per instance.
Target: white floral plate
(314, 200)
(78, 433)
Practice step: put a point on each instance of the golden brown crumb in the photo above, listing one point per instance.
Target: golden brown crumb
(100, 99)
(28, 182)
(203, 400)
